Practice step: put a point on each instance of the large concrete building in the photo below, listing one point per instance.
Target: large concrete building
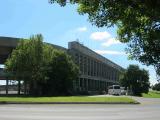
(96, 71)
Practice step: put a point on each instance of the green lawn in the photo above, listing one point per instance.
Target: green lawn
(152, 94)
(68, 99)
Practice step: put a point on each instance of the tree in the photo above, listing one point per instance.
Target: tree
(46, 70)
(156, 87)
(136, 79)
(62, 72)
(26, 62)
(138, 23)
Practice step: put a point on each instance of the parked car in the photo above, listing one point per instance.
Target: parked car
(114, 90)
(123, 91)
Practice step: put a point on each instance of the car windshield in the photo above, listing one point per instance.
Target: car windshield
(116, 87)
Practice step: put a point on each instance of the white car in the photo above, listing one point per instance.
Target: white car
(114, 90)
(123, 91)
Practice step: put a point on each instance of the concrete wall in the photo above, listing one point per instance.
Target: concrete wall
(7, 44)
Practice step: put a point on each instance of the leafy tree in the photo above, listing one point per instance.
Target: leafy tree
(62, 72)
(156, 87)
(25, 62)
(42, 67)
(138, 23)
(136, 79)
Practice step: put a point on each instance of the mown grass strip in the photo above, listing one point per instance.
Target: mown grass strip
(68, 99)
(152, 94)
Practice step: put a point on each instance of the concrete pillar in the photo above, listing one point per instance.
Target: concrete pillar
(83, 62)
(84, 68)
(87, 84)
(84, 80)
(99, 86)
(79, 62)
(79, 84)
(88, 66)
(90, 69)
(100, 70)
(7, 87)
(96, 68)
(19, 87)
(82, 83)
(25, 87)
(91, 84)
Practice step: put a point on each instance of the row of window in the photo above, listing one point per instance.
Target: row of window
(92, 67)
(91, 85)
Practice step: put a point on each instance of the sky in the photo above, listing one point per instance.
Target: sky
(59, 25)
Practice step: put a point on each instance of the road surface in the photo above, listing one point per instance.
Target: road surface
(148, 110)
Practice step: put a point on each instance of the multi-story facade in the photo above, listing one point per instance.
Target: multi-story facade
(96, 72)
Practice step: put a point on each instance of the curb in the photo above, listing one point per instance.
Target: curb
(6, 102)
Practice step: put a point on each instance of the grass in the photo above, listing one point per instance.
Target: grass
(68, 99)
(152, 94)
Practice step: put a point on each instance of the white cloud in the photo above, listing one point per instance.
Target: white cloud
(82, 29)
(100, 35)
(110, 41)
(109, 52)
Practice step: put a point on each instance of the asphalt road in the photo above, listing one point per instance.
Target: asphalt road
(148, 110)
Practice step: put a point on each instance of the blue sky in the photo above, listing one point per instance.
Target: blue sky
(59, 25)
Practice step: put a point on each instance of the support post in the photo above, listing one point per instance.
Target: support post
(7, 87)
(25, 87)
(19, 87)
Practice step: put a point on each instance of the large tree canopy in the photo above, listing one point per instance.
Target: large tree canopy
(138, 23)
(136, 79)
(61, 73)
(26, 61)
(156, 87)
(43, 68)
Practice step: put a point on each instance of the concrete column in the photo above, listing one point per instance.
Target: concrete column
(93, 67)
(93, 85)
(87, 84)
(107, 72)
(79, 62)
(96, 68)
(99, 86)
(90, 69)
(19, 87)
(83, 62)
(79, 84)
(7, 87)
(100, 72)
(86, 66)
(82, 80)
(25, 87)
